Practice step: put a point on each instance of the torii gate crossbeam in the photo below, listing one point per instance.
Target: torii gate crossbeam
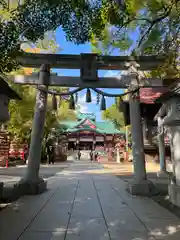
(70, 61)
(103, 82)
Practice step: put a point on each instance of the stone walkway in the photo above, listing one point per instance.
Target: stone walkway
(83, 202)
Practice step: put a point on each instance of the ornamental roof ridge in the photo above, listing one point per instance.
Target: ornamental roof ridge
(86, 115)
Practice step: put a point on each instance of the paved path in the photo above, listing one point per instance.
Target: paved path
(84, 203)
(14, 174)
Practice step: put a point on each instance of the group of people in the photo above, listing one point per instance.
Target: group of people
(93, 155)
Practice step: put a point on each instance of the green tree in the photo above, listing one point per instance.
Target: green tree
(23, 23)
(113, 114)
(54, 117)
(142, 27)
(157, 23)
(22, 111)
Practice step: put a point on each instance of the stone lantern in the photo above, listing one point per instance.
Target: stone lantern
(169, 114)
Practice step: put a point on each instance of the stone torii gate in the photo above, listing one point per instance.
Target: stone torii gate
(89, 64)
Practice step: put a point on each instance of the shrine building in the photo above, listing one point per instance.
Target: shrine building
(148, 108)
(85, 133)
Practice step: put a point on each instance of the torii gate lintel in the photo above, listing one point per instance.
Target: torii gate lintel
(72, 61)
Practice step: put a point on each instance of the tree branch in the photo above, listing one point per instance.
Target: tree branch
(155, 21)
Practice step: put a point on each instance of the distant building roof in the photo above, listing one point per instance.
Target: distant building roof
(87, 124)
(81, 116)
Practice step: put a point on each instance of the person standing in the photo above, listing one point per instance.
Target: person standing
(91, 156)
(52, 154)
(96, 156)
(79, 155)
(49, 153)
(26, 152)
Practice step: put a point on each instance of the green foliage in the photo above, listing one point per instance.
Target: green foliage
(30, 21)
(53, 118)
(157, 23)
(64, 113)
(22, 112)
(114, 115)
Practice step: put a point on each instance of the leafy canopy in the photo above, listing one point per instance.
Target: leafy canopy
(157, 23)
(140, 27)
(30, 20)
(154, 22)
(22, 112)
(113, 114)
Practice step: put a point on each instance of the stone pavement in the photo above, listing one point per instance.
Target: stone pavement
(14, 174)
(85, 202)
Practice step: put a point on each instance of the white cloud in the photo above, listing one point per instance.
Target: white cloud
(116, 74)
(82, 106)
(123, 72)
(111, 73)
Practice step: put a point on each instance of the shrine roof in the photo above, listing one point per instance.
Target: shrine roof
(149, 95)
(5, 89)
(108, 127)
(87, 124)
(74, 130)
(148, 104)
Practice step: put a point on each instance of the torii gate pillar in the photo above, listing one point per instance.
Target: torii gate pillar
(140, 184)
(31, 183)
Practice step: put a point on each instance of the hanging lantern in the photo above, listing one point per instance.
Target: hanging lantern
(54, 103)
(98, 98)
(71, 103)
(88, 96)
(103, 104)
(76, 97)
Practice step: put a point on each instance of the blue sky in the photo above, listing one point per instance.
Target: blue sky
(70, 48)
